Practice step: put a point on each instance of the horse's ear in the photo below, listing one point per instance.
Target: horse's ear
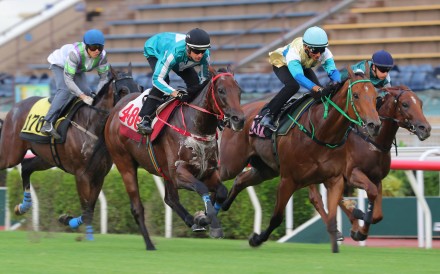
(229, 69)
(367, 70)
(212, 71)
(113, 72)
(350, 72)
(129, 69)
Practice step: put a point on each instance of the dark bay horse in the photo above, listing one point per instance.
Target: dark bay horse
(83, 154)
(301, 160)
(368, 159)
(185, 155)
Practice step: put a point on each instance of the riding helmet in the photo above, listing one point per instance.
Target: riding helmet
(382, 59)
(315, 37)
(198, 39)
(94, 37)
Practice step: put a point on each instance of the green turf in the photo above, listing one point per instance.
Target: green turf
(29, 252)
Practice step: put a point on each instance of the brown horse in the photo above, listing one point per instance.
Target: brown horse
(368, 159)
(185, 155)
(83, 154)
(300, 160)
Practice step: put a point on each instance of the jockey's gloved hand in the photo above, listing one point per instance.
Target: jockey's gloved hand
(86, 99)
(183, 96)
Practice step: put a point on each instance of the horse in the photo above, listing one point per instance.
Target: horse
(368, 159)
(82, 154)
(300, 159)
(185, 154)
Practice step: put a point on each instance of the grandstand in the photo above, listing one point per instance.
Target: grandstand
(242, 31)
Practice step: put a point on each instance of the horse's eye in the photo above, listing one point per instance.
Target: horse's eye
(405, 105)
(221, 91)
(356, 96)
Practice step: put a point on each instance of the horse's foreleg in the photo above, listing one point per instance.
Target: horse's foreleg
(186, 180)
(285, 191)
(377, 212)
(315, 199)
(173, 201)
(334, 194)
(250, 177)
(28, 166)
(359, 179)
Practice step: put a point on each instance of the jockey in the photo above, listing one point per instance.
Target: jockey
(380, 64)
(293, 65)
(178, 52)
(68, 65)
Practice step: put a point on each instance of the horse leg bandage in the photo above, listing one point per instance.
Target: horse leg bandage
(27, 202)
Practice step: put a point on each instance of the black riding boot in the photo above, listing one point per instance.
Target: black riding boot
(268, 121)
(147, 114)
(48, 128)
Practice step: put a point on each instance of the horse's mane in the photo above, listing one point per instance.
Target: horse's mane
(101, 92)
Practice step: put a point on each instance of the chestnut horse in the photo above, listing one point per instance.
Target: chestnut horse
(185, 155)
(83, 154)
(301, 160)
(368, 159)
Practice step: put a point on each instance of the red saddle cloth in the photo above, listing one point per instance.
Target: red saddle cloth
(158, 125)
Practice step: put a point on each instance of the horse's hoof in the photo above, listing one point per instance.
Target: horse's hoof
(201, 219)
(64, 219)
(197, 228)
(339, 236)
(357, 236)
(358, 214)
(253, 240)
(216, 233)
(17, 210)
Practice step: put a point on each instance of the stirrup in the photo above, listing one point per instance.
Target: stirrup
(144, 126)
(267, 122)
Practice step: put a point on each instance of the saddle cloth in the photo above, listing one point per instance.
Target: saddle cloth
(35, 120)
(129, 118)
(295, 108)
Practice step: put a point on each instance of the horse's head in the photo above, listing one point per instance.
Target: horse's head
(120, 84)
(225, 99)
(402, 105)
(361, 95)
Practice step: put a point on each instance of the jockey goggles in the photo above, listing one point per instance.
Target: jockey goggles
(317, 50)
(95, 47)
(198, 51)
(383, 69)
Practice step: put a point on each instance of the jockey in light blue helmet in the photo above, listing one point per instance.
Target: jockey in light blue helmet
(315, 37)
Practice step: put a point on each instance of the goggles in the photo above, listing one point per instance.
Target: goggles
(95, 47)
(383, 69)
(198, 51)
(317, 50)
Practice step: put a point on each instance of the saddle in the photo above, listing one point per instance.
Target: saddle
(35, 120)
(293, 108)
(128, 126)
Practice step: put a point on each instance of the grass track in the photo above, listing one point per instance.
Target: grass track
(29, 252)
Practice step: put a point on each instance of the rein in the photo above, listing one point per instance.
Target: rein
(219, 117)
(358, 122)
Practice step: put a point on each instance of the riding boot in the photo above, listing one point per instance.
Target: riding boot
(268, 121)
(48, 128)
(144, 126)
(147, 114)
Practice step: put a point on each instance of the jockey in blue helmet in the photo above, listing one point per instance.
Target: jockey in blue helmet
(380, 64)
(68, 65)
(293, 64)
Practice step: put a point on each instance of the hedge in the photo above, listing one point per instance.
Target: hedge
(56, 191)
